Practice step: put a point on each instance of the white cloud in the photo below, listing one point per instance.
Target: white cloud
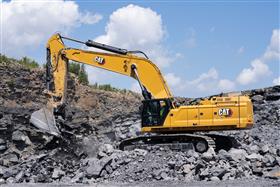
(250, 75)
(211, 74)
(206, 83)
(137, 28)
(273, 50)
(133, 26)
(226, 85)
(26, 24)
(89, 18)
(241, 50)
(259, 69)
(276, 81)
(173, 80)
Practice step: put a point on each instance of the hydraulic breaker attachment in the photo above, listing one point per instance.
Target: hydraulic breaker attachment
(44, 119)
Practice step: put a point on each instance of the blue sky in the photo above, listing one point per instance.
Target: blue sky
(202, 48)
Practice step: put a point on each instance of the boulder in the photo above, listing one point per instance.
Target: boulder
(57, 173)
(95, 166)
(237, 154)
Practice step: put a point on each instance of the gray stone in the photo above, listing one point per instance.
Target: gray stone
(164, 175)
(2, 141)
(2, 181)
(190, 160)
(269, 160)
(209, 155)
(257, 171)
(109, 169)
(218, 172)
(198, 166)
(278, 152)
(9, 172)
(226, 176)
(214, 179)
(95, 166)
(237, 154)
(10, 159)
(192, 153)
(156, 174)
(254, 157)
(20, 136)
(19, 176)
(3, 147)
(254, 148)
(57, 173)
(204, 173)
(187, 168)
(264, 149)
(77, 177)
(10, 180)
(141, 152)
(171, 164)
(105, 150)
(257, 98)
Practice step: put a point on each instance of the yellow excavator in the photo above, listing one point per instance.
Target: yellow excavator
(166, 123)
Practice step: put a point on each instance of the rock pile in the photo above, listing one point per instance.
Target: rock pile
(97, 120)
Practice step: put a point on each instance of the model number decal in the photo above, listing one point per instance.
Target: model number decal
(225, 112)
(99, 60)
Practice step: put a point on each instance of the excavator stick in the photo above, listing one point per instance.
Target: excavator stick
(44, 119)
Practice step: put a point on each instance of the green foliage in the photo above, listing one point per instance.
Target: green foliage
(80, 71)
(74, 68)
(82, 76)
(108, 87)
(25, 61)
(29, 63)
(3, 59)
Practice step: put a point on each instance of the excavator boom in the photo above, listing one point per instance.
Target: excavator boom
(121, 61)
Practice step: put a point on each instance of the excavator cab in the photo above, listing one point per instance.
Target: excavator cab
(155, 111)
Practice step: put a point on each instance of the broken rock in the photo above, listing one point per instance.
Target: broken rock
(57, 173)
(95, 166)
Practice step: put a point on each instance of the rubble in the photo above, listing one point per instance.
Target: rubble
(97, 120)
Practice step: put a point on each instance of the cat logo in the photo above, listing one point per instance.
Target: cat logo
(99, 60)
(225, 112)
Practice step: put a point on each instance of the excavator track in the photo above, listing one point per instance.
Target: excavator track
(223, 141)
(178, 142)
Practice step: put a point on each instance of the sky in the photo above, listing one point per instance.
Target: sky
(201, 47)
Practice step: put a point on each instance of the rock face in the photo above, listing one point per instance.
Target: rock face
(97, 120)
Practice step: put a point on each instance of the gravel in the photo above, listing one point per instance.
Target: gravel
(97, 120)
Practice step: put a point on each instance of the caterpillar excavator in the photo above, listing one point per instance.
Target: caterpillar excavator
(165, 123)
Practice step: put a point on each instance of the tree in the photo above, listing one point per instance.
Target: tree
(83, 76)
(29, 63)
(74, 68)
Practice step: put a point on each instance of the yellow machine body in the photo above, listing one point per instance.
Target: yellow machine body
(217, 113)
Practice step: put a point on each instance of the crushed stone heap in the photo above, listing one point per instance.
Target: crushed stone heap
(97, 120)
